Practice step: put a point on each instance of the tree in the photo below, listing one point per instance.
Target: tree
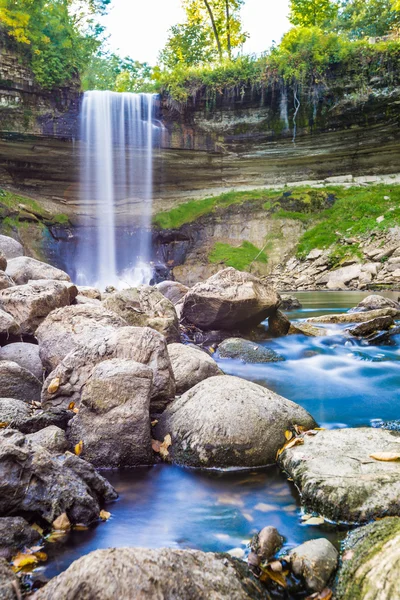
(189, 44)
(108, 71)
(312, 13)
(367, 18)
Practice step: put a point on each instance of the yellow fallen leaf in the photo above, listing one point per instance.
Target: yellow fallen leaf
(386, 456)
(104, 515)
(54, 385)
(62, 523)
(153, 423)
(165, 445)
(315, 521)
(275, 576)
(3, 425)
(71, 405)
(75, 410)
(79, 448)
(22, 560)
(37, 528)
(42, 556)
(80, 527)
(288, 435)
(55, 536)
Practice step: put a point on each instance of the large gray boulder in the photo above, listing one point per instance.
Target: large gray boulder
(38, 419)
(143, 574)
(190, 366)
(35, 482)
(360, 317)
(141, 344)
(247, 351)
(371, 327)
(52, 438)
(114, 420)
(9, 582)
(230, 299)
(375, 302)
(70, 327)
(23, 269)
(13, 411)
(25, 355)
(315, 562)
(8, 325)
(145, 306)
(19, 383)
(15, 534)
(229, 422)
(173, 290)
(30, 304)
(338, 478)
(370, 566)
(10, 247)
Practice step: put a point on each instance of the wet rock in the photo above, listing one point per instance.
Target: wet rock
(315, 561)
(13, 411)
(371, 563)
(30, 304)
(15, 534)
(248, 352)
(385, 338)
(190, 365)
(52, 438)
(113, 420)
(173, 290)
(70, 327)
(5, 281)
(35, 482)
(337, 477)
(306, 329)
(89, 292)
(290, 303)
(370, 327)
(40, 419)
(9, 582)
(25, 355)
(267, 543)
(10, 247)
(23, 269)
(229, 300)
(17, 382)
(145, 306)
(278, 324)
(141, 344)
(375, 302)
(228, 422)
(143, 574)
(361, 317)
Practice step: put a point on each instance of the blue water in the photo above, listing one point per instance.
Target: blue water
(341, 383)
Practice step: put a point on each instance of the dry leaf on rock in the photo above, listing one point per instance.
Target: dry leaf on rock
(288, 435)
(71, 405)
(162, 447)
(104, 515)
(62, 523)
(79, 448)
(386, 456)
(326, 594)
(269, 575)
(54, 385)
(22, 560)
(3, 425)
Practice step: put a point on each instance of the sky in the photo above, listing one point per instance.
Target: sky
(140, 28)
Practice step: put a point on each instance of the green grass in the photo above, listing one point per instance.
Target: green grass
(60, 219)
(239, 257)
(13, 202)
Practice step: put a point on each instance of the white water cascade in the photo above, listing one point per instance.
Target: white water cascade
(118, 134)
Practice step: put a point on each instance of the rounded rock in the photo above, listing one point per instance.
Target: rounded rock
(190, 365)
(25, 355)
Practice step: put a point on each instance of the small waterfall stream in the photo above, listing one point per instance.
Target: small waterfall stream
(118, 134)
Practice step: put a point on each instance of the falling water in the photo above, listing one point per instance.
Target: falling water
(118, 134)
(284, 115)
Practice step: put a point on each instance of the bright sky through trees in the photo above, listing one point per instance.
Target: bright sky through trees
(140, 29)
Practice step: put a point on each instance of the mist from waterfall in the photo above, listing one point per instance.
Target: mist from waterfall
(118, 134)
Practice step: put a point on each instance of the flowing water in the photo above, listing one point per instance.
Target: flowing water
(118, 134)
(341, 383)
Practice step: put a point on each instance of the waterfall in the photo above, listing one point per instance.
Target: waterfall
(118, 134)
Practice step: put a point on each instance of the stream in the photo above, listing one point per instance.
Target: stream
(341, 382)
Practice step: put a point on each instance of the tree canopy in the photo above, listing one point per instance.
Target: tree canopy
(312, 13)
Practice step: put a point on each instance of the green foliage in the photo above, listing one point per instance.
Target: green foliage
(371, 18)
(189, 44)
(108, 71)
(312, 13)
(238, 257)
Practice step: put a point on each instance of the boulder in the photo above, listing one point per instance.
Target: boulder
(71, 327)
(89, 292)
(15, 534)
(278, 324)
(31, 303)
(40, 419)
(267, 543)
(375, 302)
(338, 279)
(25, 355)
(173, 290)
(306, 329)
(141, 344)
(230, 299)
(315, 562)
(370, 566)
(290, 303)
(5, 281)
(145, 306)
(229, 422)
(19, 383)
(13, 411)
(361, 317)
(190, 365)
(52, 438)
(9, 582)
(372, 326)
(85, 300)
(145, 574)
(114, 420)
(3, 261)
(247, 351)
(338, 478)
(8, 326)
(23, 269)
(35, 482)
(385, 338)
(10, 247)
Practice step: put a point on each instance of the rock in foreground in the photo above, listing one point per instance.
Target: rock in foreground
(142, 574)
(19, 383)
(228, 300)
(229, 422)
(370, 567)
(25, 355)
(23, 269)
(15, 533)
(190, 366)
(247, 351)
(315, 561)
(337, 477)
(9, 583)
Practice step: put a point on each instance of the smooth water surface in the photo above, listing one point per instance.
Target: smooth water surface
(340, 383)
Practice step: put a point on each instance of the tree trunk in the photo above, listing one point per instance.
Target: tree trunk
(214, 27)
(228, 29)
